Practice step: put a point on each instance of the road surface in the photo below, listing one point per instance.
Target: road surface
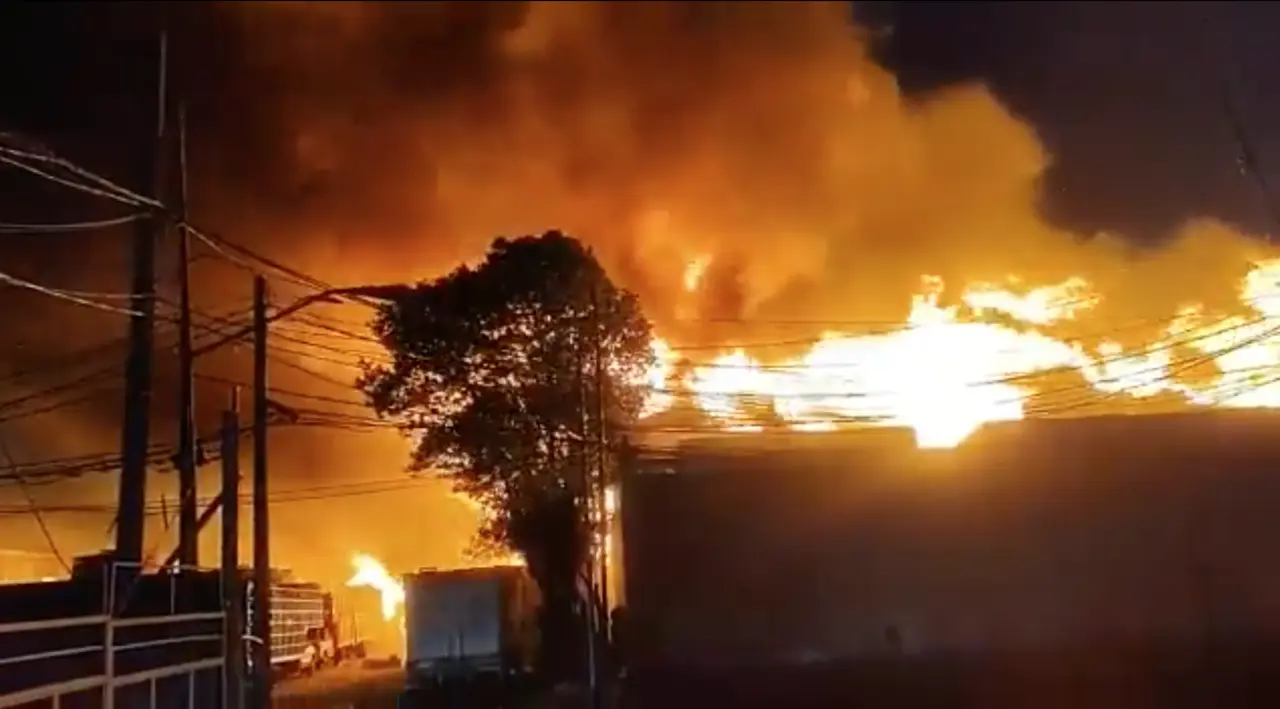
(354, 686)
(350, 686)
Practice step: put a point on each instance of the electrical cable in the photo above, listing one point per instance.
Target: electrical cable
(226, 326)
(93, 377)
(70, 296)
(35, 510)
(61, 363)
(285, 496)
(283, 392)
(9, 228)
(104, 187)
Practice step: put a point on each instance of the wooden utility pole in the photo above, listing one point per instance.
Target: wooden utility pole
(589, 602)
(136, 429)
(188, 529)
(261, 527)
(602, 464)
(233, 586)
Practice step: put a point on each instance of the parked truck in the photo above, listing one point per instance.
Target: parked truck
(308, 632)
(470, 634)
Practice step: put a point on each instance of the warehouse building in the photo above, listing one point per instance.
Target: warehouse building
(1112, 559)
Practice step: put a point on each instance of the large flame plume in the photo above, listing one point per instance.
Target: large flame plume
(947, 370)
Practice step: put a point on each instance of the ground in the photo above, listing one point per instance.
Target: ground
(351, 686)
(356, 686)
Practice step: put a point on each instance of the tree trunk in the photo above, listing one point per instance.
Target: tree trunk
(563, 635)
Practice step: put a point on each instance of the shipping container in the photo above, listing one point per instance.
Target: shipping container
(1041, 563)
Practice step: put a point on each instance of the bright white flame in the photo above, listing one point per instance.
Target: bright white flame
(370, 573)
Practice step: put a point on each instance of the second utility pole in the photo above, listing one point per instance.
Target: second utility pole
(188, 529)
(233, 585)
(261, 528)
(602, 465)
(136, 430)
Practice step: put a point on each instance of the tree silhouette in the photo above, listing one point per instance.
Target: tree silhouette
(495, 371)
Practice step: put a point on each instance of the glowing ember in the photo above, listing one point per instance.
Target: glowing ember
(949, 369)
(370, 573)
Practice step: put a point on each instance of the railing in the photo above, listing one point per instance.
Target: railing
(147, 653)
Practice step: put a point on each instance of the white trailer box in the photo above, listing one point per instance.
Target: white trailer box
(468, 622)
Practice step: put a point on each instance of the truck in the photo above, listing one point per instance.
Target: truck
(468, 633)
(307, 629)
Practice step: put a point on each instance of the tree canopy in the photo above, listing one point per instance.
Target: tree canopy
(504, 374)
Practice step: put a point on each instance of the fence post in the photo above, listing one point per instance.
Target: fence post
(109, 664)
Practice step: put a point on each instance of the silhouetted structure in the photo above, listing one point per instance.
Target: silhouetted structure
(1107, 562)
(162, 647)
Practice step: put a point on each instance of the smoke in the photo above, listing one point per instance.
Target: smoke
(376, 142)
(409, 135)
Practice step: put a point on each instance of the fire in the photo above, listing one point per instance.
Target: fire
(694, 271)
(370, 573)
(949, 369)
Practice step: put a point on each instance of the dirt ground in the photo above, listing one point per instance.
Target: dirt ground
(357, 687)
(346, 687)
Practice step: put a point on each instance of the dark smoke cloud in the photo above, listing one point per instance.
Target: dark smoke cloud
(398, 138)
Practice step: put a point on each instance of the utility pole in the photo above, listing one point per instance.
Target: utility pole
(188, 531)
(602, 465)
(136, 428)
(589, 602)
(233, 586)
(261, 528)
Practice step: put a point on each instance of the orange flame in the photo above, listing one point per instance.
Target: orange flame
(947, 370)
(370, 573)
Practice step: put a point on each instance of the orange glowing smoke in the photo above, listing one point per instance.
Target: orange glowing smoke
(370, 573)
(947, 370)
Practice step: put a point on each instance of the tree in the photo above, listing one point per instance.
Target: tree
(503, 373)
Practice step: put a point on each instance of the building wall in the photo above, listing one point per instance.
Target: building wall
(1033, 537)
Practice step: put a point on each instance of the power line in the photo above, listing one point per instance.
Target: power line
(99, 185)
(213, 329)
(65, 361)
(284, 392)
(31, 504)
(71, 296)
(286, 496)
(93, 377)
(10, 228)
(242, 256)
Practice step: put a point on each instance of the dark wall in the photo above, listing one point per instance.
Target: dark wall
(1092, 536)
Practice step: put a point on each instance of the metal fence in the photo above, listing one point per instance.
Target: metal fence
(141, 650)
